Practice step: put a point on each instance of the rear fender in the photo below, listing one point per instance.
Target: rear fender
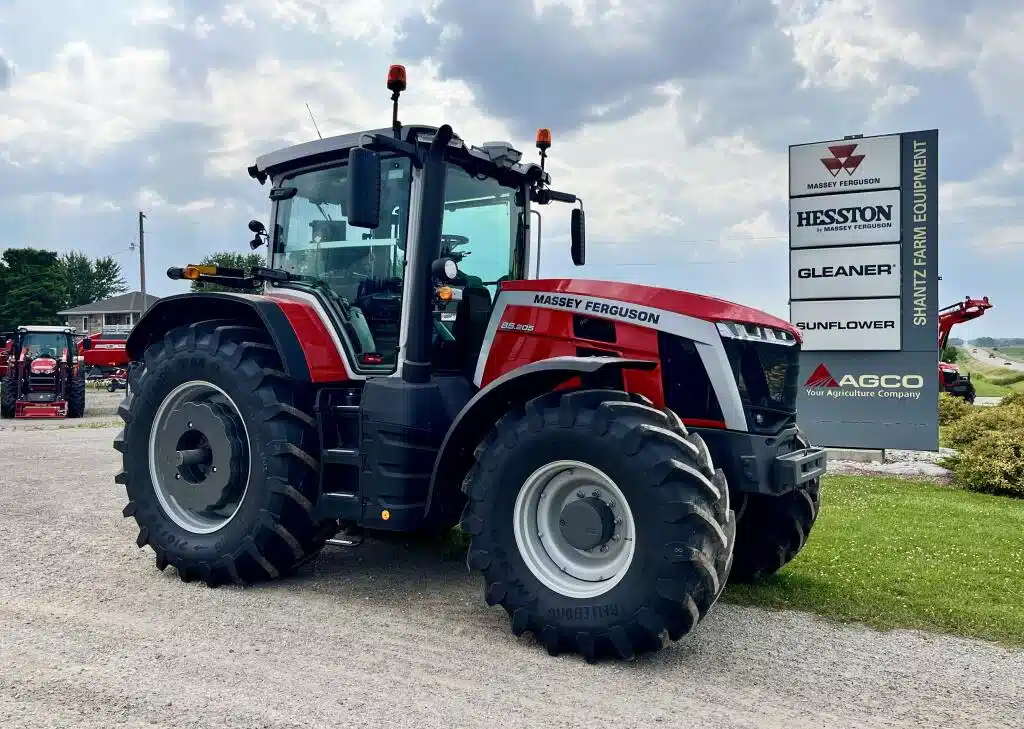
(497, 398)
(246, 309)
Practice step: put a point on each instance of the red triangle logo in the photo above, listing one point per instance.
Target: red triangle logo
(821, 377)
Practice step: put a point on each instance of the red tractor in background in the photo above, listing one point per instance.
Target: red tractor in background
(614, 452)
(951, 380)
(43, 378)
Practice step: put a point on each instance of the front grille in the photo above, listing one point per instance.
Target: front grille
(767, 375)
(42, 383)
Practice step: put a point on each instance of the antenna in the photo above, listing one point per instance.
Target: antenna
(314, 122)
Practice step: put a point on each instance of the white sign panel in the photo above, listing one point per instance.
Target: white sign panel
(845, 165)
(857, 325)
(833, 220)
(845, 273)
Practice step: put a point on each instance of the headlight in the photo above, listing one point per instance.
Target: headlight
(755, 333)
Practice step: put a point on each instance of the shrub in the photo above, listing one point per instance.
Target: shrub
(990, 448)
(1007, 380)
(1014, 398)
(951, 408)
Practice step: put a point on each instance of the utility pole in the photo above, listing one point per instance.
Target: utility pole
(142, 262)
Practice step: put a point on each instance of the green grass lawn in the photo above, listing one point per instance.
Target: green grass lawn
(898, 553)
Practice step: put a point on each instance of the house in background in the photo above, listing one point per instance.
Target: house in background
(120, 311)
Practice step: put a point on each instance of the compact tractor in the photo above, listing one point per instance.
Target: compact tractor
(42, 378)
(614, 452)
(951, 380)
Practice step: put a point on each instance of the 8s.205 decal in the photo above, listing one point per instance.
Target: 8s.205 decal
(513, 327)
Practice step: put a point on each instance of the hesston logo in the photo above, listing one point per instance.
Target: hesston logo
(843, 158)
(822, 383)
(862, 217)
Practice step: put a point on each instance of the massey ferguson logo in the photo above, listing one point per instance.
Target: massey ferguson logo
(843, 158)
(822, 383)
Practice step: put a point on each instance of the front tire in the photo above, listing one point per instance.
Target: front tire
(209, 406)
(8, 396)
(76, 395)
(771, 530)
(660, 493)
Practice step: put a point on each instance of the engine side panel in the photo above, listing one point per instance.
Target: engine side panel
(323, 353)
(527, 326)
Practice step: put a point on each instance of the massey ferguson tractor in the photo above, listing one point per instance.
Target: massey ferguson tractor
(951, 380)
(43, 379)
(614, 452)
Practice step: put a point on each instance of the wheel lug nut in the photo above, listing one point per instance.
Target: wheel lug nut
(604, 547)
(580, 495)
(596, 493)
(561, 522)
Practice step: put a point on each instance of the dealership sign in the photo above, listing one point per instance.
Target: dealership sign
(850, 165)
(851, 272)
(836, 220)
(863, 285)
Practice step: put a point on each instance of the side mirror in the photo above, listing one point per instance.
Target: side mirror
(363, 188)
(257, 227)
(445, 269)
(578, 231)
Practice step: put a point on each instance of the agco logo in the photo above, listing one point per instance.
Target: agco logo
(843, 158)
(822, 383)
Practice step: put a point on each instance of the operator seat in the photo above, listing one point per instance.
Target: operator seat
(471, 317)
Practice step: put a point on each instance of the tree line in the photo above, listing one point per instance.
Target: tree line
(35, 284)
(991, 342)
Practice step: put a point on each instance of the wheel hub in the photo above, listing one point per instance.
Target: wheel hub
(199, 458)
(587, 523)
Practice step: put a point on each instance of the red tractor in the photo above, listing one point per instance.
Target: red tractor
(951, 380)
(614, 452)
(43, 378)
(6, 345)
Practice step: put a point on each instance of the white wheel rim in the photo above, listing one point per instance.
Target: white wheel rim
(186, 518)
(548, 555)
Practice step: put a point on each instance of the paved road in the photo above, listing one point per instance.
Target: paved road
(92, 636)
(1000, 360)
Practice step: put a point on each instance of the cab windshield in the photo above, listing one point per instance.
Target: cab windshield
(49, 344)
(480, 230)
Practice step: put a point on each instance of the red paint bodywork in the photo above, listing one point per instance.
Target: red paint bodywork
(680, 302)
(322, 355)
(104, 353)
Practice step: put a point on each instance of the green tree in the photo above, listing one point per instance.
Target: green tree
(87, 280)
(33, 287)
(950, 354)
(230, 259)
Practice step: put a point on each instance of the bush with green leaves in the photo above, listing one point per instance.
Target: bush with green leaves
(951, 408)
(990, 448)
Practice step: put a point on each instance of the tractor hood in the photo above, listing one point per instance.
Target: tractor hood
(707, 308)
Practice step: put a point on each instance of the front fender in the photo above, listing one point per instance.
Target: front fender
(498, 397)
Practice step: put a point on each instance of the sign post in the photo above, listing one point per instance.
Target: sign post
(863, 252)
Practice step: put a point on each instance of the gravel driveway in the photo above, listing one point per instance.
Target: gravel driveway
(92, 635)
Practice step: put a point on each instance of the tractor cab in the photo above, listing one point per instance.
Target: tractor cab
(43, 378)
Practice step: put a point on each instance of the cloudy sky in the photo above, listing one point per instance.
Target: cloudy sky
(671, 118)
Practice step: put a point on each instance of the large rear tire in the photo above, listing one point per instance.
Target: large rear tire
(666, 509)
(217, 452)
(771, 530)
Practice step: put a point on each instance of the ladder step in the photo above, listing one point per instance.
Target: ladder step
(341, 456)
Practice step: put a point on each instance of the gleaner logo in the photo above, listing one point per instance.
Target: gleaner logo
(843, 158)
(900, 387)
